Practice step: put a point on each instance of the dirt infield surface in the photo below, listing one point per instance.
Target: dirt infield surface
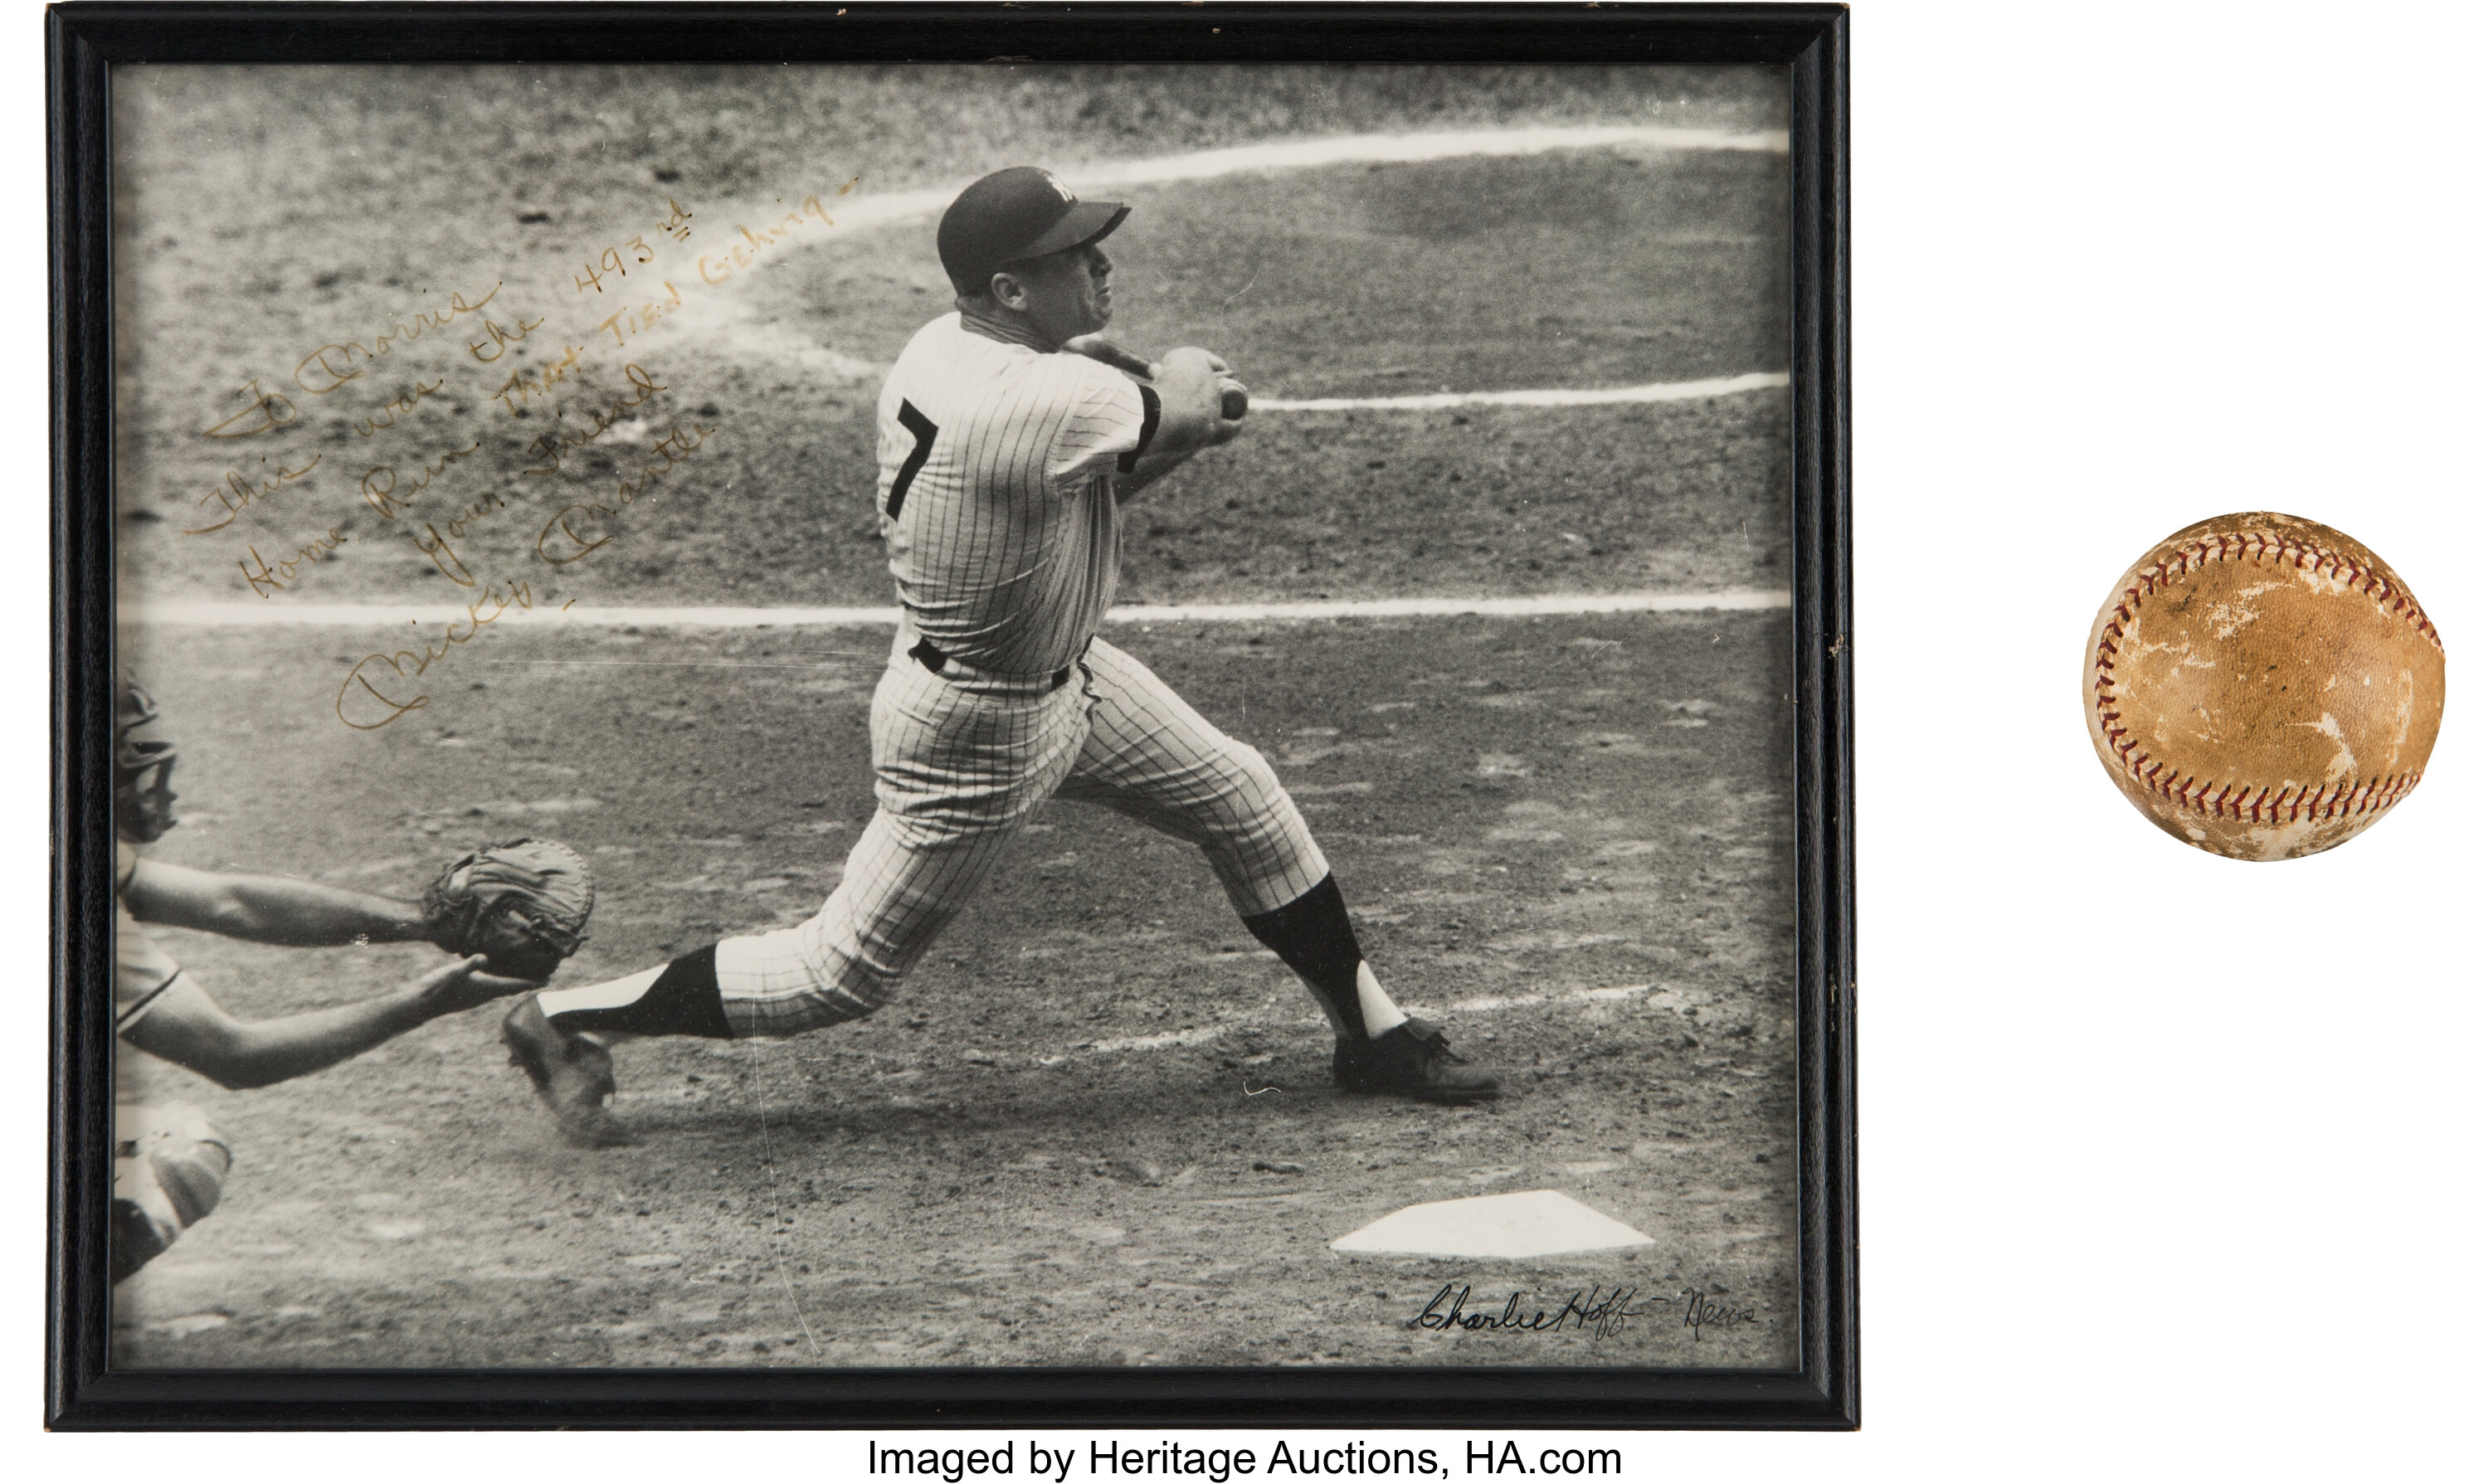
(1562, 835)
(1096, 1124)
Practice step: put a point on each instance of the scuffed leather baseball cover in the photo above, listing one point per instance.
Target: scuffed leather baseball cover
(2263, 686)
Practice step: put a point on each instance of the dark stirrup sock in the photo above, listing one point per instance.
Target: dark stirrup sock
(682, 1002)
(1313, 936)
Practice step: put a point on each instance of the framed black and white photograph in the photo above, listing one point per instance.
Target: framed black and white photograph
(952, 714)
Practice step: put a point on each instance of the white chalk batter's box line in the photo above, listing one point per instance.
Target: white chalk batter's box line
(1561, 396)
(315, 615)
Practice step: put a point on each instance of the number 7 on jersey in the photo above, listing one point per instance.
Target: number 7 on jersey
(922, 427)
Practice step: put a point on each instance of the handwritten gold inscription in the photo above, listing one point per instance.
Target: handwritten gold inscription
(238, 494)
(273, 409)
(433, 543)
(576, 530)
(334, 365)
(754, 243)
(499, 339)
(380, 688)
(559, 443)
(626, 323)
(394, 408)
(268, 580)
(613, 262)
(384, 686)
(522, 388)
(381, 483)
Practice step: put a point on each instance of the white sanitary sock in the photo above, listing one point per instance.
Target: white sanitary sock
(613, 995)
(1379, 1014)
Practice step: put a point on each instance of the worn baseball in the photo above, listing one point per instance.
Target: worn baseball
(2263, 686)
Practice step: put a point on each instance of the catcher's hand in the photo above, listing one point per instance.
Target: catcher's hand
(464, 985)
(522, 904)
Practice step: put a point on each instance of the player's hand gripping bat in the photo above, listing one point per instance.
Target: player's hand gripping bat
(1232, 402)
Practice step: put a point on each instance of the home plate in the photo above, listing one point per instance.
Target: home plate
(1527, 1224)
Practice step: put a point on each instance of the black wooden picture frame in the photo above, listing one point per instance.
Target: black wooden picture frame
(85, 40)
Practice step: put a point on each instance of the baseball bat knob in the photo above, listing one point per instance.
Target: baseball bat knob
(1232, 402)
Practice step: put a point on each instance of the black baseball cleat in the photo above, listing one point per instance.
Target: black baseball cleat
(573, 1075)
(1412, 1059)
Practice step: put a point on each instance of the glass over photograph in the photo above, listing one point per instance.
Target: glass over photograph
(999, 716)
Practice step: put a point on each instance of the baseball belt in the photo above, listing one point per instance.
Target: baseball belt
(933, 659)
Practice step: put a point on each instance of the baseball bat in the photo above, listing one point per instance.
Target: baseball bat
(1100, 347)
(1232, 401)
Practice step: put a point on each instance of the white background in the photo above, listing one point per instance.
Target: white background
(2170, 1164)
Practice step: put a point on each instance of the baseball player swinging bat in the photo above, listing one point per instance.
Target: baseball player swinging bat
(1003, 471)
(1232, 402)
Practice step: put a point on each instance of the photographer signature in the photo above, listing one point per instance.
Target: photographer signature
(1603, 1313)
(1701, 1310)
(1586, 1309)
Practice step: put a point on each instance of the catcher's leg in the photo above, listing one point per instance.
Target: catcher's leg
(1153, 757)
(169, 1166)
(958, 768)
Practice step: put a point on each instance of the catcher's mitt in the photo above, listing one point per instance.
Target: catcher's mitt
(523, 903)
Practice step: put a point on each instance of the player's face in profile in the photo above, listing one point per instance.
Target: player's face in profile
(1068, 292)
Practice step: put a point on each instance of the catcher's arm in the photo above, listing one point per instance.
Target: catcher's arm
(186, 1026)
(268, 909)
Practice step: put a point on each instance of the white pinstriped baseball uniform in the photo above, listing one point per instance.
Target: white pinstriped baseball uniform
(997, 502)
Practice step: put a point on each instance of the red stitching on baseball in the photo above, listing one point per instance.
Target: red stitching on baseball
(2344, 800)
